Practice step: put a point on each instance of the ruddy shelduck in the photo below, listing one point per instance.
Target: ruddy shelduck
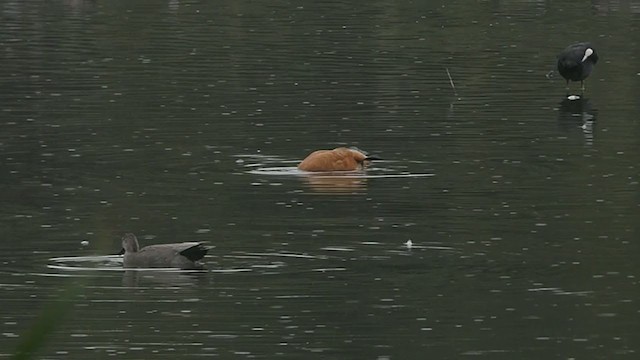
(338, 159)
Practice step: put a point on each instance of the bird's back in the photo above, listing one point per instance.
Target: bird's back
(179, 255)
(339, 159)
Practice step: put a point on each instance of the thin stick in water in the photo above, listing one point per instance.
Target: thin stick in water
(451, 82)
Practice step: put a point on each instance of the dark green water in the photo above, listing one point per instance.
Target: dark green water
(181, 120)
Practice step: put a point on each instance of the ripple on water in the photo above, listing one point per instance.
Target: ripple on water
(70, 264)
(370, 173)
(343, 182)
(87, 263)
(77, 266)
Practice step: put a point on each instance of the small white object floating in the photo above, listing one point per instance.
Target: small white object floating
(84, 242)
(408, 244)
(573, 97)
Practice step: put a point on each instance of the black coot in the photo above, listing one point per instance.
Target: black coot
(576, 62)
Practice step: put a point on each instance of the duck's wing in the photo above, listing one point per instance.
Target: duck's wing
(167, 252)
(193, 251)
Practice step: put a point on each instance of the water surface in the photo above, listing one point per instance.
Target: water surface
(184, 120)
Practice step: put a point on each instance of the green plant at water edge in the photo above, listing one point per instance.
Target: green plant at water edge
(46, 324)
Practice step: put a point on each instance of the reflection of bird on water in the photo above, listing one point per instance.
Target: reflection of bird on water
(181, 255)
(577, 113)
(576, 61)
(178, 278)
(335, 184)
(338, 159)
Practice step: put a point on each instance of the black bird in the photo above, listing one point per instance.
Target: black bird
(576, 62)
